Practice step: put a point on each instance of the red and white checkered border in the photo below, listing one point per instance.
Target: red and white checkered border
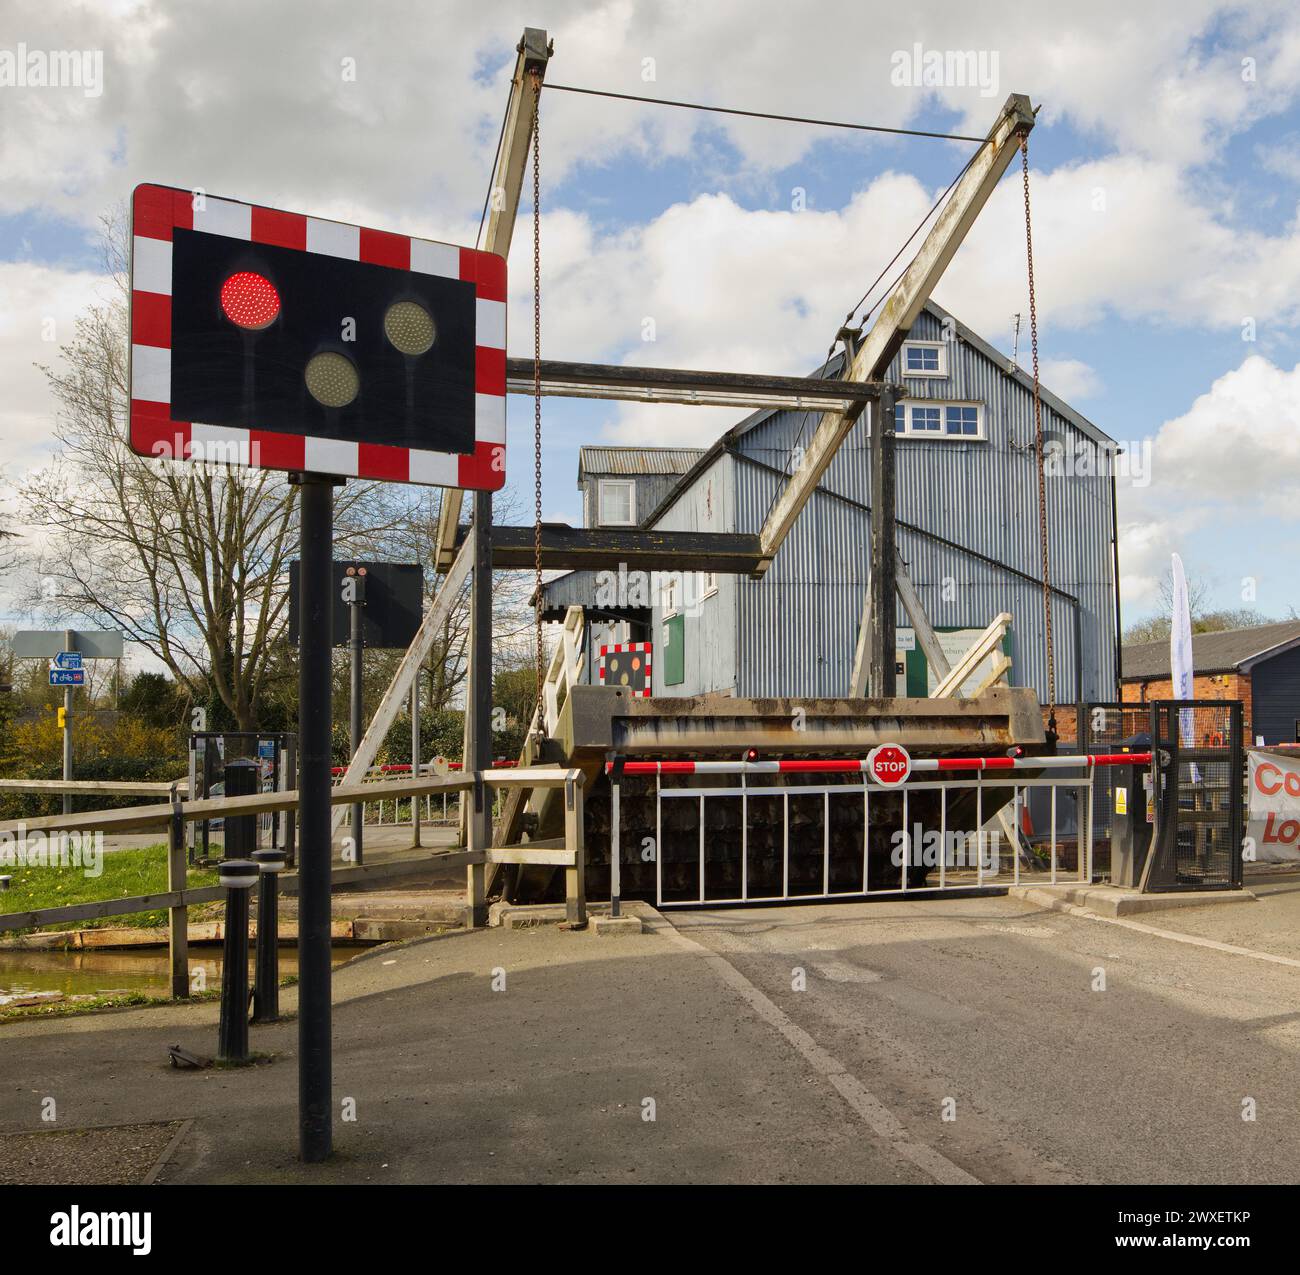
(159, 210)
(646, 647)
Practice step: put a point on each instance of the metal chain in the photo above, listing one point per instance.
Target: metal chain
(537, 387)
(1038, 449)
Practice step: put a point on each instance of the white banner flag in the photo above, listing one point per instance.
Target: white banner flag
(1180, 659)
(1273, 817)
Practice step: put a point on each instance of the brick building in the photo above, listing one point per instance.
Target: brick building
(1258, 666)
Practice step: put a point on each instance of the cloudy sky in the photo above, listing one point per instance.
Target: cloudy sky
(1166, 183)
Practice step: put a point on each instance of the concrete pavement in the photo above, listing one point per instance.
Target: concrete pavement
(812, 1043)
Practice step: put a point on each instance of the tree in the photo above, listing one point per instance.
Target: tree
(155, 700)
(190, 560)
(1156, 628)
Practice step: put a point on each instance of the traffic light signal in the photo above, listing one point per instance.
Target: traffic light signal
(274, 339)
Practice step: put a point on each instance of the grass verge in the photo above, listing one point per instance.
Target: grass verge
(126, 873)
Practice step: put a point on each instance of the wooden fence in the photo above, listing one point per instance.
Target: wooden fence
(568, 853)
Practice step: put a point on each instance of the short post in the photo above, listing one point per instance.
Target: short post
(575, 874)
(238, 876)
(266, 983)
(178, 935)
(240, 831)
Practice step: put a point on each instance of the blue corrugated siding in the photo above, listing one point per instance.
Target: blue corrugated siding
(1275, 696)
(797, 628)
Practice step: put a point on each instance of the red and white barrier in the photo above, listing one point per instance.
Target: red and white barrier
(851, 765)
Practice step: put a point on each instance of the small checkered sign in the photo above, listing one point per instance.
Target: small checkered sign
(627, 665)
(281, 341)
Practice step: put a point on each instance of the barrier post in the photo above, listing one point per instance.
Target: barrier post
(237, 876)
(178, 934)
(266, 985)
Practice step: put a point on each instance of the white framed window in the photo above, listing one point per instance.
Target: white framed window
(670, 594)
(931, 418)
(925, 358)
(708, 584)
(616, 503)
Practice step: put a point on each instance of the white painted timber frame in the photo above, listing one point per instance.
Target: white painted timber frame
(899, 312)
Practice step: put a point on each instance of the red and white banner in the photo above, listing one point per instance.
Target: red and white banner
(1273, 813)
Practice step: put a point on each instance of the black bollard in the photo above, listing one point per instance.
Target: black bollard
(266, 983)
(237, 876)
(240, 831)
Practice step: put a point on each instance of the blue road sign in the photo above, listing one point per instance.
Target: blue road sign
(67, 677)
(68, 660)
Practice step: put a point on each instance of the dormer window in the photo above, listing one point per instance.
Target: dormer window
(925, 358)
(617, 503)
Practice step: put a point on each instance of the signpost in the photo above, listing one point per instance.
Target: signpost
(281, 341)
(67, 650)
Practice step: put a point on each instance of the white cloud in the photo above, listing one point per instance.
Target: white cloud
(1239, 443)
(1228, 464)
(251, 100)
(1070, 379)
(41, 305)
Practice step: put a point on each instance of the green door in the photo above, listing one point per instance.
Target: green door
(674, 652)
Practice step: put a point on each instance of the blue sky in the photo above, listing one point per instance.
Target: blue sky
(1181, 119)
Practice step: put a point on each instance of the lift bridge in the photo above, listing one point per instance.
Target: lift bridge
(589, 727)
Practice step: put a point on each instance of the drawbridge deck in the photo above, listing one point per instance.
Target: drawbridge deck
(595, 722)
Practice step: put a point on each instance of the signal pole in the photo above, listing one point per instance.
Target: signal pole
(315, 635)
(69, 644)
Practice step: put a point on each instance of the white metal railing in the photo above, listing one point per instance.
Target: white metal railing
(889, 864)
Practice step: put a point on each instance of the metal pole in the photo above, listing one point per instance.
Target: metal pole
(314, 637)
(291, 782)
(478, 716)
(615, 850)
(355, 648)
(69, 644)
(266, 985)
(178, 934)
(237, 875)
(883, 681)
(415, 759)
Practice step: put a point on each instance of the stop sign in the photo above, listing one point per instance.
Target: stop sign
(889, 764)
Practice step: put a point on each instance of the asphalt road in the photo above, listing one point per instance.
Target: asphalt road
(804, 1044)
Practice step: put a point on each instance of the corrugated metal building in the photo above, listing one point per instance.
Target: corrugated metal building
(967, 515)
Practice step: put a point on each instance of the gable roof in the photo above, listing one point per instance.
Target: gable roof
(1213, 652)
(832, 368)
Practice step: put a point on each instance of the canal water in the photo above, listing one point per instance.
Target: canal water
(60, 974)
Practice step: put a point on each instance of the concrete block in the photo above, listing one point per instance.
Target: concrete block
(1108, 900)
(617, 925)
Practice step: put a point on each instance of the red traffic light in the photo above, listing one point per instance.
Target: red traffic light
(250, 300)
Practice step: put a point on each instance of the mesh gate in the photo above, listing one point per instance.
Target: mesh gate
(1197, 827)
(1198, 832)
(1109, 728)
